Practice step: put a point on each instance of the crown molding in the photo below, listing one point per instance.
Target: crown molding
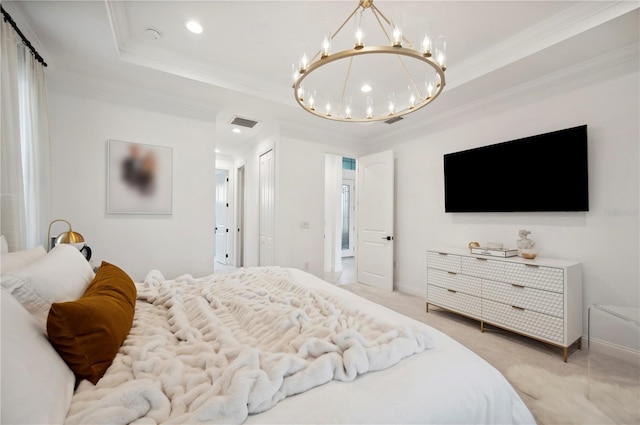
(231, 80)
(556, 29)
(117, 14)
(118, 92)
(615, 58)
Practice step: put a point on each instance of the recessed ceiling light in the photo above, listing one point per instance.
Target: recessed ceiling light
(366, 88)
(194, 27)
(217, 150)
(236, 130)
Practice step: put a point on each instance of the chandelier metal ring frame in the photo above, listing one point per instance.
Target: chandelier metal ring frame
(359, 50)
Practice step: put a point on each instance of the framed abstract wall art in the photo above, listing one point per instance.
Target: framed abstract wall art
(139, 178)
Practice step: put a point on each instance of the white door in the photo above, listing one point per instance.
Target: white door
(222, 216)
(375, 220)
(267, 205)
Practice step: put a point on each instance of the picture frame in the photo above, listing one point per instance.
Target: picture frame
(139, 178)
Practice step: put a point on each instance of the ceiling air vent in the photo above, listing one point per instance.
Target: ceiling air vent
(243, 122)
(394, 119)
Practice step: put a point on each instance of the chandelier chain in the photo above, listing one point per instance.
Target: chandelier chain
(344, 87)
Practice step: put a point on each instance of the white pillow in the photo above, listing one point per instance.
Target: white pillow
(37, 385)
(4, 247)
(61, 275)
(11, 261)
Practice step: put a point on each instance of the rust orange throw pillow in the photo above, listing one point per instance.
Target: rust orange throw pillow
(88, 333)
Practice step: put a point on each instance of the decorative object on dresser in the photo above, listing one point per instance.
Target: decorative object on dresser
(473, 245)
(541, 300)
(525, 245)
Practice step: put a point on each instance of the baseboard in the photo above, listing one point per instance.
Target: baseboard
(619, 352)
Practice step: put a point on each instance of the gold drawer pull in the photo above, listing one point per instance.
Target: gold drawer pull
(517, 286)
(517, 308)
(535, 266)
(454, 273)
(443, 253)
(481, 259)
(451, 290)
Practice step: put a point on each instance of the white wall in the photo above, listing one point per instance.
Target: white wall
(605, 239)
(174, 244)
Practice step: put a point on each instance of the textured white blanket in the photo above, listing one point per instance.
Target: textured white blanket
(219, 348)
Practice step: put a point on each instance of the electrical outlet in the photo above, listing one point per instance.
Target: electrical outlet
(304, 224)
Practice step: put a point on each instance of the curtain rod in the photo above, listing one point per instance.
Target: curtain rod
(26, 42)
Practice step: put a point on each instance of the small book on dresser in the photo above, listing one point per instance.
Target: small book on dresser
(495, 252)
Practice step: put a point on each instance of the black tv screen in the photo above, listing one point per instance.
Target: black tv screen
(547, 172)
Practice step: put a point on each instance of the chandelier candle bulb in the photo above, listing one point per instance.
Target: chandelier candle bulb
(429, 90)
(412, 101)
(311, 101)
(359, 37)
(397, 37)
(441, 53)
(326, 47)
(296, 73)
(426, 46)
(304, 62)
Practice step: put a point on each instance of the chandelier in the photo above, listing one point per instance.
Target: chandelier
(381, 82)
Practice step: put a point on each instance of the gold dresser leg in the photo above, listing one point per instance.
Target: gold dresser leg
(481, 326)
(427, 307)
(566, 353)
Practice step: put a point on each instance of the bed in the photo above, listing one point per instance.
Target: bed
(264, 345)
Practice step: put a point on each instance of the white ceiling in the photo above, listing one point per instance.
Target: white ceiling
(241, 64)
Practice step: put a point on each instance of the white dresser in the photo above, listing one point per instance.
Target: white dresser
(540, 298)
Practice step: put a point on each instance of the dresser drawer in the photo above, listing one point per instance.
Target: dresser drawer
(462, 303)
(533, 276)
(458, 282)
(483, 267)
(443, 261)
(527, 321)
(546, 302)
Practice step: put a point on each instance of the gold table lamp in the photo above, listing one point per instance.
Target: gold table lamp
(65, 237)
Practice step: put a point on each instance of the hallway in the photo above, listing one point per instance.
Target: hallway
(348, 274)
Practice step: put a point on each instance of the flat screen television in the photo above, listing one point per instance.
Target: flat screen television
(547, 172)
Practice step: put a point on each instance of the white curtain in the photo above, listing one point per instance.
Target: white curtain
(25, 151)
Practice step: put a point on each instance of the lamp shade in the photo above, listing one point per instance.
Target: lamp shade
(68, 237)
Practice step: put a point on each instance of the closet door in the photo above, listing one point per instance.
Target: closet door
(267, 206)
(222, 216)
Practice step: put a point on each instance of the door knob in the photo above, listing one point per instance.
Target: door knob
(387, 238)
